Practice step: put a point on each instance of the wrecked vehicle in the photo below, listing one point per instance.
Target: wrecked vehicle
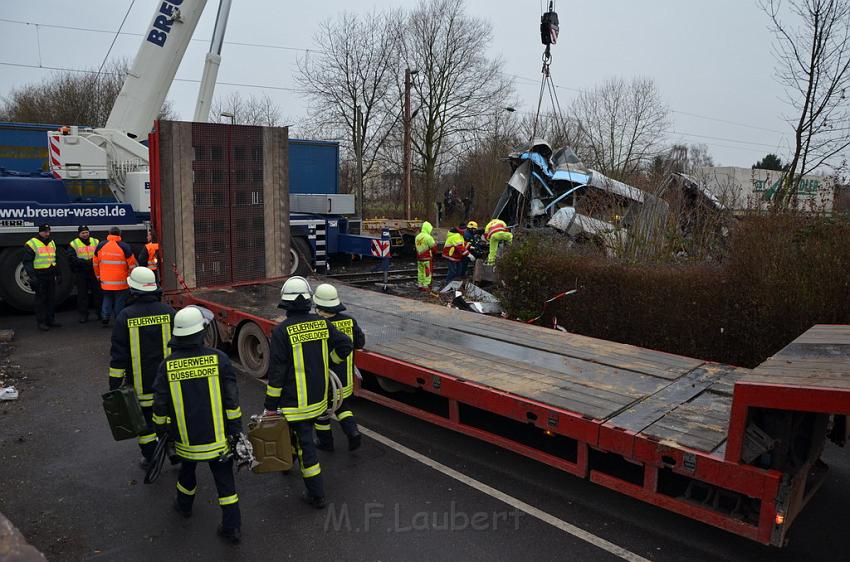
(559, 191)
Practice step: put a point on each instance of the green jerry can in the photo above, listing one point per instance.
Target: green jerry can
(269, 436)
(124, 413)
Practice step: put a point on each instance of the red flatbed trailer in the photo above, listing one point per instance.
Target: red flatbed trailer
(735, 448)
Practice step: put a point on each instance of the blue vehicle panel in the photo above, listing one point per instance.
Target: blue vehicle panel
(313, 166)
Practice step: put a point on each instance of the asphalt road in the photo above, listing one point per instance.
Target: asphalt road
(78, 495)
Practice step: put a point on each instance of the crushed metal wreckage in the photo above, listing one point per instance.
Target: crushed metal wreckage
(559, 191)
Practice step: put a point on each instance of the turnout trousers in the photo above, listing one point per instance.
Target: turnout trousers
(225, 485)
(308, 456)
(346, 421)
(423, 272)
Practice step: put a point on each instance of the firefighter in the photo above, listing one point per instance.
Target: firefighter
(426, 249)
(496, 232)
(149, 256)
(196, 402)
(113, 260)
(80, 254)
(329, 306)
(469, 234)
(139, 344)
(455, 250)
(40, 264)
(301, 348)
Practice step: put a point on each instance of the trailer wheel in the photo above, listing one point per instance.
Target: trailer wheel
(211, 336)
(253, 347)
(299, 252)
(15, 282)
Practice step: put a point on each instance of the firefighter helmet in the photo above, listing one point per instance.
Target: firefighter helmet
(327, 298)
(143, 280)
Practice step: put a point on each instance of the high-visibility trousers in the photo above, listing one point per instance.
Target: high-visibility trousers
(423, 272)
(495, 240)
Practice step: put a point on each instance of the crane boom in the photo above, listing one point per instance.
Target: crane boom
(213, 60)
(144, 90)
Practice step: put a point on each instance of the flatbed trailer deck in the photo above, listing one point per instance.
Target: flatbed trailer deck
(670, 430)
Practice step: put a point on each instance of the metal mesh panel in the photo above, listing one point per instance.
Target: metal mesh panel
(211, 205)
(228, 203)
(247, 211)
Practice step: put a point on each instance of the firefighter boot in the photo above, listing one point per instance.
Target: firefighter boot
(324, 435)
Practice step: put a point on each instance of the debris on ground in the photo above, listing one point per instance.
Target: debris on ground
(468, 296)
(6, 336)
(8, 393)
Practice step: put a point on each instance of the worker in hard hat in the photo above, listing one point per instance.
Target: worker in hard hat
(196, 402)
(139, 344)
(330, 307)
(455, 251)
(496, 232)
(426, 249)
(302, 347)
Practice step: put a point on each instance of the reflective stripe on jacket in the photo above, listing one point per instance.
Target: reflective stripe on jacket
(45, 254)
(426, 246)
(196, 387)
(153, 249)
(493, 227)
(455, 248)
(345, 371)
(139, 344)
(113, 260)
(302, 347)
(83, 250)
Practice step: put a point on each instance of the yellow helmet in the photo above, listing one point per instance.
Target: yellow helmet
(472, 224)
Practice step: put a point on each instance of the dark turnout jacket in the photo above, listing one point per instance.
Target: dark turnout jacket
(139, 344)
(302, 349)
(196, 388)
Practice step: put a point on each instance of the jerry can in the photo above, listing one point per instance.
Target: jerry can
(124, 413)
(269, 436)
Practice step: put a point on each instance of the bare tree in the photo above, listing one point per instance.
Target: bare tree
(813, 65)
(253, 110)
(621, 125)
(355, 72)
(71, 98)
(457, 88)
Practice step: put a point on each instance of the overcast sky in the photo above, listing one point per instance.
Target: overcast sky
(711, 59)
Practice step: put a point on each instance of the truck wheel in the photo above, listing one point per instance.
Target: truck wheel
(15, 282)
(253, 347)
(299, 252)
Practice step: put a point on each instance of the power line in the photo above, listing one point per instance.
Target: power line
(131, 34)
(117, 33)
(84, 71)
(320, 51)
(688, 113)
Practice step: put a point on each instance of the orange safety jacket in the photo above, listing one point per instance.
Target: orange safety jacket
(113, 260)
(153, 252)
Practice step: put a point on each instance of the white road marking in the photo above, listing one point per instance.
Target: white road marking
(516, 503)
(505, 498)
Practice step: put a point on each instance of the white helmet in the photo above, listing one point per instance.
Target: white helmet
(295, 287)
(191, 320)
(142, 279)
(326, 297)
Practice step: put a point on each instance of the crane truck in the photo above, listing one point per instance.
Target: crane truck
(101, 176)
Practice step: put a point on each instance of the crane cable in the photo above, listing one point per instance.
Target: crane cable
(115, 38)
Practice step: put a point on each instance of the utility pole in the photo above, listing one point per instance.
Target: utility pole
(358, 153)
(408, 152)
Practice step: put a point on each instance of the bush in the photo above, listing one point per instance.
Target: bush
(781, 275)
